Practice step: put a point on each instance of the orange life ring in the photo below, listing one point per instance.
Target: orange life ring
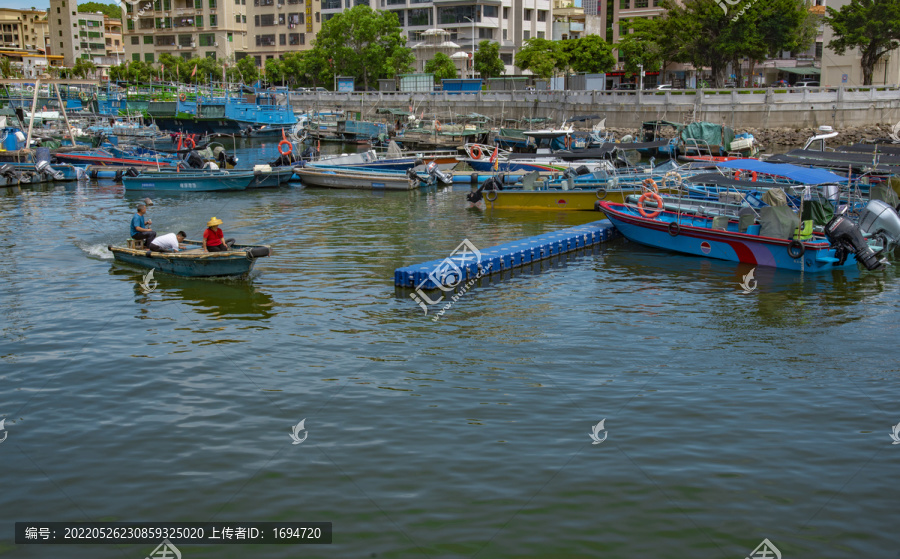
(659, 204)
(650, 185)
(183, 97)
(737, 175)
(289, 149)
(476, 149)
(437, 125)
(753, 176)
(191, 140)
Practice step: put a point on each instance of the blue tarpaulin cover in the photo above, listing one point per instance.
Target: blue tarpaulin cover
(803, 175)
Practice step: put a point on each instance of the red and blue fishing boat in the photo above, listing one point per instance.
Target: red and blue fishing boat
(744, 240)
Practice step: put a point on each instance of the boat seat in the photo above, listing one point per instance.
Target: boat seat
(720, 223)
(136, 244)
(745, 221)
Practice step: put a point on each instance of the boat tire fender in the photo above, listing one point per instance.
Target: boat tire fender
(674, 228)
(601, 193)
(491, 195)
(119, 174)
(257, 252)
(796, 249)
(474, 178)
(289, 147)
(95, 173)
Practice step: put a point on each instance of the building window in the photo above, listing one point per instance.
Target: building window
(485, 33)
(542, 15)
(212, 4)
(458, 14)
(200, 21)
(211, 54)
(267, 20)
(506, 58)
(207, 39)
(282, 39)
(819, 50)
(641, 3)
(540, 34)
(167, 5)
(294, 20)
(213, 20)
(148, 39)
(258, 60)
(280, 19)
(317, 18)
(148, 57)
(134, 57)
(198, 4)
(265, 40)
(527, 16)
(504, 35)
(294, 39)
(624, 4)
(331, 4)
(135, 40)
(61, 43)
(526, 35)
(237, 18)
(419, 16)
(489, 11)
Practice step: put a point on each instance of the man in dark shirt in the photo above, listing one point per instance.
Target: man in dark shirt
(140, 227)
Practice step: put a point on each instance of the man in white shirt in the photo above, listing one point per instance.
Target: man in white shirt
(168, 243)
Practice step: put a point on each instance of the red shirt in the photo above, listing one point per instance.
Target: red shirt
(213, 238)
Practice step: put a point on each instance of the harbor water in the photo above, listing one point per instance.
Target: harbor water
(730, 415)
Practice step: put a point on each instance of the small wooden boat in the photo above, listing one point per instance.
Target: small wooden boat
(739, 241)
(355, 179)
(189, 181)
(265, 176)
(193, 262)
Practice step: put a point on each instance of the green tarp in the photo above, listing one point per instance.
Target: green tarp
(707, 133)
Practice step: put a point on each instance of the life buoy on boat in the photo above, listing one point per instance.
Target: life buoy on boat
(659, 204)
(283, 143)
(437, 125)
(650, 185)
(796, 249)
(191, 140)
(183, 97)
(737, 175)
(476, 152)
(753, 176)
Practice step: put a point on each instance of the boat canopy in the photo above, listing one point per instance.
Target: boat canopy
(803, 175)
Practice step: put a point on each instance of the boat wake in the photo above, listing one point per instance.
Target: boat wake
(97, 251)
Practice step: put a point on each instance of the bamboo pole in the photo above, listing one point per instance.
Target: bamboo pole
(62, 107)
(37, 87)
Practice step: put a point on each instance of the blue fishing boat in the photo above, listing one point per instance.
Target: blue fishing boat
(265, 176)
(193, 262)
(744, 240)
(189, 181)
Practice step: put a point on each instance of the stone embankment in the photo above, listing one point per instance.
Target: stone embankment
(792, 136)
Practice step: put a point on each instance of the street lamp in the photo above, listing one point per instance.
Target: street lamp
(472, 19)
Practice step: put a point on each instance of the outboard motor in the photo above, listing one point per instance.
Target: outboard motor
(570, 173)
(582, 170)
(193, 160)
(844, 235)
(131, 172)
(879, 218)
(9, 173)
(435, 174)
(412, 174)
(474, 197)
(43, 167)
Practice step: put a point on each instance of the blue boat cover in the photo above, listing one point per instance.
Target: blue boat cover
(803, 175)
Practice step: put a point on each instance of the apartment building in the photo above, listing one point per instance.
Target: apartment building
(280, 26)
(507, 22)
(75, 34)
(186, 28)
(23, 29)
(112, 33)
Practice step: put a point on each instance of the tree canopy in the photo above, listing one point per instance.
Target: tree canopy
(645, 45)
(541, 56)
(487, 60)
(590, 54)
(872, 26)
(112, 10)
(364, 44)
(442, 67)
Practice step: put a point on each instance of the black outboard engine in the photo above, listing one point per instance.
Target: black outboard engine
(844, 235)
(193, 160)
(131, 172)
(570, 173)
(412, 174)
(582, 170)
(474, 197)
(9, 173)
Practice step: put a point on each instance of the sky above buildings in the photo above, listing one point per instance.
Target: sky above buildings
(25, 4)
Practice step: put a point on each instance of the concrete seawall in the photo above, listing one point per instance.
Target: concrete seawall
(739, 108)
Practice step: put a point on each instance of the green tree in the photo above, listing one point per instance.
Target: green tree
(643, 46)
(246, 68)
(306, 68)
(872, 26)
(112, 10)
(275, 71)
(589, 54)
(442, 67)
(487, 60)
(541, 56)
(83, 68)
(6, 68)
(707, 34)
(363, 43)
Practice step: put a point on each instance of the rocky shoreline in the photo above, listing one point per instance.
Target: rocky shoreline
(766, 137)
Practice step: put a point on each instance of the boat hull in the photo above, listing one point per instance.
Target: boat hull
(270, 179)
(567, 200)
(190, 263)
(185, 182)
(354, 180)
(724, 245)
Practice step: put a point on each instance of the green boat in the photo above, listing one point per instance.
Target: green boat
(189, 181)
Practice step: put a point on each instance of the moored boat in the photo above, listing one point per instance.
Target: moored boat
(193, 262)
(265, 176)
(741, 241)
(189, 181)
(355, 179)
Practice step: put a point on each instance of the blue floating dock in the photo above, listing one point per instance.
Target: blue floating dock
(504, 257)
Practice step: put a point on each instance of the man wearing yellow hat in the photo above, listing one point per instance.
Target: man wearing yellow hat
(212, 236)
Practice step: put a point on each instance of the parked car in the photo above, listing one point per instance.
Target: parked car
(664, 87)
(806, 84)
(625, 87)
